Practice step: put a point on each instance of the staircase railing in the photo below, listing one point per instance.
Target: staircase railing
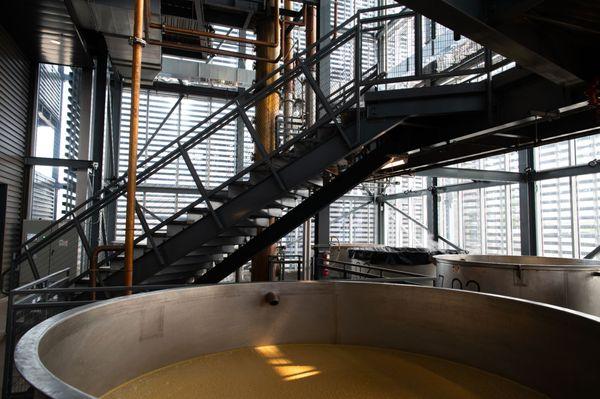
(303, 63)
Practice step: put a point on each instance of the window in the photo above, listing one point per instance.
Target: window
(56, 136)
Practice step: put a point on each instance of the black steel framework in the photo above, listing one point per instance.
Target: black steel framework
(334, 106)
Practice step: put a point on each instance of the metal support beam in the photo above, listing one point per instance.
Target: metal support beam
(593, 253)
(569, 171)
(324, 27)
(98, 150)
(146, 229)
(85, 105)
(418, 45)
(77, 164)
(527, 204)
(160, 126)
(466, 97)
(202, 91)
(451, 188)
(379, 215)
(201, 188)
(322, 225)
(415, 221)
(114, 101)
(472, 174)
(3, 203)
(432, 209)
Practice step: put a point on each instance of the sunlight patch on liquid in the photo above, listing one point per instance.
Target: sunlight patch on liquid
(283, 366)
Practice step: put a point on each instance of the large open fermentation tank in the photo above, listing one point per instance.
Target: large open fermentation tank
(433, 334)
(566, 282)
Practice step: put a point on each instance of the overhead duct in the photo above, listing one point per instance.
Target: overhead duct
(114, 19)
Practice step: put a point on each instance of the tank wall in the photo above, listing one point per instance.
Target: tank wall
(100, 347)
(146, 332)
(574, 285)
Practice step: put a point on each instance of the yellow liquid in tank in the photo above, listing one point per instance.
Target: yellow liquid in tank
(301, 371)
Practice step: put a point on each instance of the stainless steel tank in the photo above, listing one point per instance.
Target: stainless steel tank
(570, 283)
(87, 351)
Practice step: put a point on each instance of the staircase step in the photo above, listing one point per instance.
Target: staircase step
(189, 268)
(198, 259)
(178, 278)
(226, 241)
(256, 222)
(197, 213)
(240, 231)
(301, 192)
(216, 249)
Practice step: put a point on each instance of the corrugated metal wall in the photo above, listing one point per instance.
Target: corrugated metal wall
(15, 87)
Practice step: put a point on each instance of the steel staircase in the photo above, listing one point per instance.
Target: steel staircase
(221, 229)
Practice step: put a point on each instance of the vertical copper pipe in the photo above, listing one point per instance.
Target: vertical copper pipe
(267, 109)
(136, 72)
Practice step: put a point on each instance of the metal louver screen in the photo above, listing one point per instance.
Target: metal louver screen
(15, 97)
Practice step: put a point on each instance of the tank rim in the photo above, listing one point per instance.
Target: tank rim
(31, 367)
(506, 261)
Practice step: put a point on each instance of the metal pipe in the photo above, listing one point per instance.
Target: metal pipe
(194, 32)
(335, 18)
(210, 50)
(311, 38)
(136, 72)
(94, 263)
(191, 47)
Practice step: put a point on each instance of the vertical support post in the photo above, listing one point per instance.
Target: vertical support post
(382, 40)
(239, 122)
(98, 132)
(432, 211)
(114, 132)
(322, 224)
(379, 214)
(136, 72)
(311, 116)
(288, 88)
(321, 228)
(324, 69)
(267, 29)
(239, 142)
(418, 45)
(9, 343)
(85, 104)
(3, 205)
(527, 211)
(357, 72)
(306, 244)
